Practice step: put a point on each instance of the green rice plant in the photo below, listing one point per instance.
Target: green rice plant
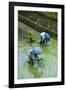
(41, 57)
(30, 36)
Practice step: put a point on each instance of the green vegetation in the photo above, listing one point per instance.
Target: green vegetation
(41, 57)
(48, 66)
(51, 14)
(30, 36)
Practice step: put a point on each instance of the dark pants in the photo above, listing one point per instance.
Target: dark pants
(45, 41)
(41, 40)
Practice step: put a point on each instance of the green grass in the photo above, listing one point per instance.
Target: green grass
(51, 14)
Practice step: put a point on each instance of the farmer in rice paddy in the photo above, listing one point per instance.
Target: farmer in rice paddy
(34, 54)
(45, 37)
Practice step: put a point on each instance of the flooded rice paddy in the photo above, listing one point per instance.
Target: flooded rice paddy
(48, 66)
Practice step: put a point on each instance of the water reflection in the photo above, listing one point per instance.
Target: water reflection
(36, 69)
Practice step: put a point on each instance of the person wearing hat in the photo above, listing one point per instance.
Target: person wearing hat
(34, 54)
(45, 37)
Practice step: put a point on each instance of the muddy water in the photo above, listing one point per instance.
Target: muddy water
(47, 67)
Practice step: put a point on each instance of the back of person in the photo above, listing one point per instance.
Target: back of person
(45, 37)
(42, 34)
